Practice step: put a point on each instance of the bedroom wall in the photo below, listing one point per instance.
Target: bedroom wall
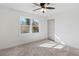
(9, 28)
(67, 25)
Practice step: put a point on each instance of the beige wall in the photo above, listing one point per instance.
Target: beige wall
(67, 25)
(9, 28)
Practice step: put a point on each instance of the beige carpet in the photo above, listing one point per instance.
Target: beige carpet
(34, 49)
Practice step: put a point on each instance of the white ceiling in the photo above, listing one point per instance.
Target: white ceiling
(29, 7)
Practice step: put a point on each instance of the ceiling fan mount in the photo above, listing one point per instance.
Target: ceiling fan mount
(43, 7)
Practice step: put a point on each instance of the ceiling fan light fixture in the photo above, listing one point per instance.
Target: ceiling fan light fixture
(43, 10)
(43, 7)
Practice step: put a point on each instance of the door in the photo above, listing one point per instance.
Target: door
(51, 29)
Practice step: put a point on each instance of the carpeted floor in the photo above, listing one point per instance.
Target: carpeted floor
(40, 48)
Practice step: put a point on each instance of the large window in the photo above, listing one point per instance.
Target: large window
(25, 25)
(35, 26)
(28, 25)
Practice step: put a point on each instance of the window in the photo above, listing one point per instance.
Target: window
(35, 26)
(25, 25)
(28, 25)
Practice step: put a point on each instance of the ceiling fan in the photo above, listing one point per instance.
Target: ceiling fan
(43, 7)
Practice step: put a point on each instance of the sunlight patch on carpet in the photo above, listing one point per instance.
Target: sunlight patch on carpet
(52, 44)
(49, 44)
(59, 47)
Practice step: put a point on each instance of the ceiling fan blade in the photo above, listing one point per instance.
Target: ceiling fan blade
(47, 3)
(36, 4)
(36, 9)
(50, 7)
